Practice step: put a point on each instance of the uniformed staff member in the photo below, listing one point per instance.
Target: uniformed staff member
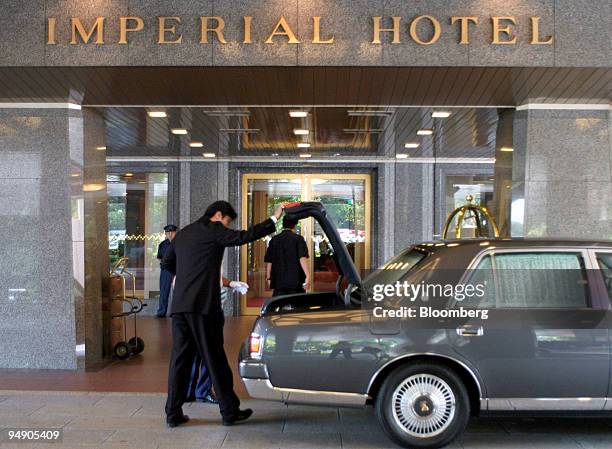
(195, 256)
(165, 276)
(287, 261)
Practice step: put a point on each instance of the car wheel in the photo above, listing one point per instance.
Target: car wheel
(423, 406)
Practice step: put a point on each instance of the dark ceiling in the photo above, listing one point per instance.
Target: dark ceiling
(338, 86)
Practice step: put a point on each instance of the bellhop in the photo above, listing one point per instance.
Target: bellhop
(505, 30)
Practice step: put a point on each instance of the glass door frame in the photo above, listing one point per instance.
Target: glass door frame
(307, 225)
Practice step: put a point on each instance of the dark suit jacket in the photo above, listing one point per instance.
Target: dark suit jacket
(195, 256)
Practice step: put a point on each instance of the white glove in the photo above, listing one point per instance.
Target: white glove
(240, 287)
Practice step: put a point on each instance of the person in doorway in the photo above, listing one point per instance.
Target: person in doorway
(195, 256)
(165, 276)
(286, 261)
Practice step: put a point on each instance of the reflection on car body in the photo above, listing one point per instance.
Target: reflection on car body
(544, 347)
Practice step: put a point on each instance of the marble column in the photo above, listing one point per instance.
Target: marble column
(52, 211)
(562, 172)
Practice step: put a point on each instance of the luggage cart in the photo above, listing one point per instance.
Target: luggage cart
(126, 348)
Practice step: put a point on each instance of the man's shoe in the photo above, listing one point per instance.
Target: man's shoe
(190, 399)
(160, 316)
(178, 421)
(241, 415)
(209, 398)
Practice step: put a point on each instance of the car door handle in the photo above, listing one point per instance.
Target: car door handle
(470, 331)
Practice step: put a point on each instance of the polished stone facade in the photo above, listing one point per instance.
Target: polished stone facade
(580, 27)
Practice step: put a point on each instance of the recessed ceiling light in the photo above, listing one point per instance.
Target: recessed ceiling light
(506, 149)
(411, 145)
(305, 155)
(101, 148)
(196, 144)
(440, 114)
(491, 179)
(300, 132)
(274, 154)
(209, 155)
(425, 132)
(179, 131)
(401, 156)
(75, 175)
(337, 154)
(128, 175)
(298, 114)
(157, 114)
(303, 145)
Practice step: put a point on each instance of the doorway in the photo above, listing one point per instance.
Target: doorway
(347, 199)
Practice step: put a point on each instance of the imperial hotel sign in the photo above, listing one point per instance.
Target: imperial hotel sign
(421, 29)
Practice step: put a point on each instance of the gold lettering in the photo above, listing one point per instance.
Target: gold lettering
(436, 26)
(506, 30)
(247, 30)
(316, 39)
(535, 33)
(51, 31)
(218, 30)
(163, 29)
(282, 28)
(124, 30)
(465, 26)
(395, 30)
(79, 28)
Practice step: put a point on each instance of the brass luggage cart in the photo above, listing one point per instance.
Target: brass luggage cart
(125, 348)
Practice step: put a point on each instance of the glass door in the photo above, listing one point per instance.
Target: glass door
(347, 200)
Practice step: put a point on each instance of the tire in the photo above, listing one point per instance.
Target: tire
(425, 394)
(122, 350)
(137, 343)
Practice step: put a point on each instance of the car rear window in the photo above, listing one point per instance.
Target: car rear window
(396, 268)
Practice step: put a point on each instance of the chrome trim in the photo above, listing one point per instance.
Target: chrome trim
(430, 354)
(263, 389)
(547, 404)
(608, 404)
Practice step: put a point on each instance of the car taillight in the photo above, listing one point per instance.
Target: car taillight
(255, 345)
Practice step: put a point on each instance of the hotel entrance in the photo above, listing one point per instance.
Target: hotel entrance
(347, 199)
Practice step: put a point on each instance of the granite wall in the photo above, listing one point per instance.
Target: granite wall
(562, 174)
(580, 27)
(51, 218)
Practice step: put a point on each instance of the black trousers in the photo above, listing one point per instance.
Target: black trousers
(202, 334)
(288, 291)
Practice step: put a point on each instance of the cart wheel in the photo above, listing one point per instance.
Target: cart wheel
(137, 343)
(121, 350)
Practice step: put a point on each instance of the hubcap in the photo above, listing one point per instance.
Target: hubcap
(423, 405)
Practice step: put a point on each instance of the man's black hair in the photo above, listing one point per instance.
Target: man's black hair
(224, 207)
(289, 222)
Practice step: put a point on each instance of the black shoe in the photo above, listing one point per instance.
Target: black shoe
(160, 316)
(178, 421)
(209, 398)
(190, 399)
(241, 415)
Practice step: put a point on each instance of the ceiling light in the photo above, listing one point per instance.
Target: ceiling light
(298, 114)
(157, 114)
(425, 132)
(506, 149)
(274, 154)
(196, 144)
(411, 145)
(128, 175)
(75, 175)
(362, 130)
(401, 156)
(372, 113)
(303, 145)
(209, 155)
(300, 132)
(240, 130)
(305, 155)
(101, 148)
(440, 114)
(179, 131)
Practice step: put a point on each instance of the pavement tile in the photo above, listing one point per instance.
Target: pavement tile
(84, 438)
(252, 439)
(367, 441)
(310, 440)
(303, 419)
(522, 441)
(598, 441)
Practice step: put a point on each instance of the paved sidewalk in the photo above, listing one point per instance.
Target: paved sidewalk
(135, 421)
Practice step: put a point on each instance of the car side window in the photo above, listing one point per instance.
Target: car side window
(482, 278)
(605, 266)
(541, 280)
